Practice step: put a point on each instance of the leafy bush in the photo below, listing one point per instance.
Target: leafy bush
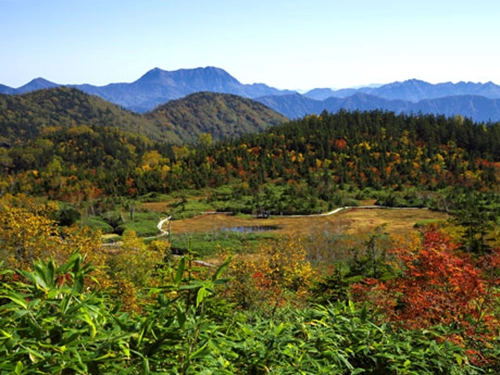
(428, 222)
(97, 223)
(438, 285)
(338, 339)
(67, 215)
(51, 323)
(114, 219)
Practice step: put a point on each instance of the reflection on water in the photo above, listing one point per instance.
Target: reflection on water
(252, 228)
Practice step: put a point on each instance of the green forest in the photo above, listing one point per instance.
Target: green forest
(89, 285)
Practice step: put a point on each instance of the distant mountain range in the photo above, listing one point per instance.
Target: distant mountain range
(477, 108)
(480, 102)
(158, 86)
(413, 90)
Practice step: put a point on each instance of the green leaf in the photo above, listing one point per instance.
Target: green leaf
(145, 329)
(221, 269)
(189, 287)
(88, 319)
(279, 329)
(72, 337)
(19, 368)
(344, 360)
(459, 359)
(145, 366)
(357, 371)
(40, 282)
(201, 352)
(200, 296)
(105, 356)
(76, 259)
(79, 283)
(180, 271)
(181, 318)
(364, 313)
(18, 300)
(34, 356)
(50, 273)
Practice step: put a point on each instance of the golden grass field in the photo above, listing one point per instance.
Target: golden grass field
(352, 221)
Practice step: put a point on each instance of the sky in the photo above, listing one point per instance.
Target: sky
(287, 44)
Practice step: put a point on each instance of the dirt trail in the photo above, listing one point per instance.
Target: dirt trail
(160, 228)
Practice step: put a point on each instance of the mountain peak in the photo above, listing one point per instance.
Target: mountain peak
(36, 84)
(40, 81)
(209, 73)
(153, 75)
(415, 80)
(411, 81)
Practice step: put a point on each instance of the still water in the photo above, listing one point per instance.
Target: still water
(252, 228)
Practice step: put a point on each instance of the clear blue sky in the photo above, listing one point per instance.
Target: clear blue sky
(283, 43)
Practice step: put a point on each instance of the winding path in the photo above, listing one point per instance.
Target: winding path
(163, 232)
(352, 207)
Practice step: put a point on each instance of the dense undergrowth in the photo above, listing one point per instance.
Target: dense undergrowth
(53, 322)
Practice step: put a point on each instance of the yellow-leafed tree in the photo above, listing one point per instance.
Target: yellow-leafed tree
(276, 275)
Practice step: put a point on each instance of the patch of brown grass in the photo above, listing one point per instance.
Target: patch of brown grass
(352, 221)
(156, 206)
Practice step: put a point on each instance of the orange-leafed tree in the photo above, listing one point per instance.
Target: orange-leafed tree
(440, 285)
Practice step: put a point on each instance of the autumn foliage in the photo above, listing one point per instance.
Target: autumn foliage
(440, 285)
(28, 233)
(276, 275)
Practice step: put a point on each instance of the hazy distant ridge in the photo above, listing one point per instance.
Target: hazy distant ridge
(413, 90)
(478, 108)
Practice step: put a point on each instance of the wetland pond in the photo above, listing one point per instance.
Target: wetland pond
(252, 228)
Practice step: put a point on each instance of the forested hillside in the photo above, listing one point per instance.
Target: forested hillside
(313, 157)
(27, 116)
(220, 115)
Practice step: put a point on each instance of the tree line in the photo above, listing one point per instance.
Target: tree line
(312, 158)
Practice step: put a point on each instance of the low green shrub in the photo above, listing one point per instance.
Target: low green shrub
(97, 223)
